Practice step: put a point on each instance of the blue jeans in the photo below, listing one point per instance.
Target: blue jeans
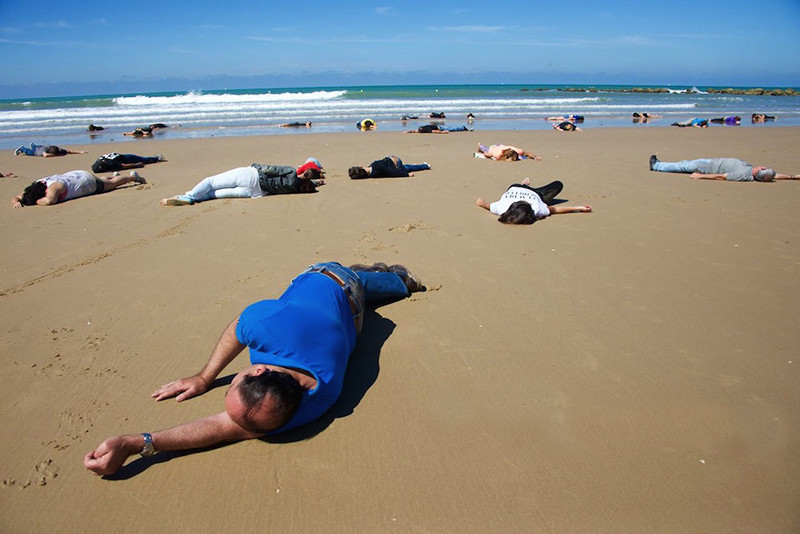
(32, 151)
(455, 129)
(364, 287)
(413, 168)
(687, 166)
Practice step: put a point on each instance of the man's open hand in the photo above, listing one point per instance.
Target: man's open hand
(182, 389)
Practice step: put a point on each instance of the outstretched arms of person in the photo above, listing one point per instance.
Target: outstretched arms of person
(228, 347)
(556, 210)
(112, 453)
(701, 176)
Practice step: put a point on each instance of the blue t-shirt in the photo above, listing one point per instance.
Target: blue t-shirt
(310, 327)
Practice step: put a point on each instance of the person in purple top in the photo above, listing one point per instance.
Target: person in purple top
(299, 347)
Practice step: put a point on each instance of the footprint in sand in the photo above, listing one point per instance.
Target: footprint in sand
(406, 228)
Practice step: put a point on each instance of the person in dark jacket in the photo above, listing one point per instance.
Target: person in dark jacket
(254, 181)
(388, 167)
(114, 161)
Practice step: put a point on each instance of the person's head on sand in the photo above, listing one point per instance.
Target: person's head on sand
(261, 399)
(358, 173)
(32, 193)
(508, 154)
(763, 174)
(312, 174)
(520, 212)
(55, 151)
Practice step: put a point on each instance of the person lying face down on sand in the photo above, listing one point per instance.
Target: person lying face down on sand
(114, 161)
(299, 348)
(730, 169)
(761, 117)
(45, 151)
(253, 182)
(438, 129)
(388, 167)
(566, 126)
(504, 153)
(522, 204)
(73, 184)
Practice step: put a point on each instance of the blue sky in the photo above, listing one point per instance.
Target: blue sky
(93, 47)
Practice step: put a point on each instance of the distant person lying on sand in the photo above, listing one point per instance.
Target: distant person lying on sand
(470, 117)
(637, 115)
(388, 167)
(409, 118)
(522, 204)
(296, 125)
(140, 132)
(119, 162)
(571, 118)
(694, 123)
(73, 184)
(93, 128)
(566, 126)
(45, 151)
(253, 182)
(366, 125)
(505, 153)
(299, 344)
(731, 120)
(730, 169)
(436, 115)
(7, 175)
(760, 117)
(438, 129)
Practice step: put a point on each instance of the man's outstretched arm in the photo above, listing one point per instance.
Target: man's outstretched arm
(109, 456)
(701, 176)
(228, 347)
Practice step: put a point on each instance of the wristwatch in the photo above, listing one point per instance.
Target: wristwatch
(149, 449)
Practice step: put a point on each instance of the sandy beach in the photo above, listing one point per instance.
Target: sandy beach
(630, 370)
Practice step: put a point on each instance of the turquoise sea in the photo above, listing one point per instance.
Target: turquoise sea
(241, 112)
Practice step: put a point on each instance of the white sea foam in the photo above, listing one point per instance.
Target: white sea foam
(213, 98)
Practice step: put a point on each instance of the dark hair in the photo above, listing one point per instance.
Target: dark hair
(56, 151)
(520, 212)
(312, 174)
(32, 193)
(284, 392)
(358, 173)
(306, 186)
(508, 155)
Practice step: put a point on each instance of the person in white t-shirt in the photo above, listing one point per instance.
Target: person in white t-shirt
(522, 204)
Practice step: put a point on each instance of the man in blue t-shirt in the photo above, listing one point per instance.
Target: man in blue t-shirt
(299, 347)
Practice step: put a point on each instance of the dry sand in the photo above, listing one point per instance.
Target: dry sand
(630, 370)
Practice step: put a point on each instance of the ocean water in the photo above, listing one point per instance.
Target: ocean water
(63, 121)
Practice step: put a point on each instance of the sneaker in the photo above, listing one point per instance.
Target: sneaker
(413, 284)
(653, 161)
(116, 173)
(18, 151)
(138, 179)
(180, 200)
(161, 157)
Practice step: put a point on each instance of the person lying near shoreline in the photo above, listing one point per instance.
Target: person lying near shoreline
(299, 347)
(504, 153)
(140, 132)
(119, 162)
(73, 184)
(388, 167)
(522, 204)
(760, 117)
(730, 120)
(570, 118)
(45, 151)
(306, 124)
(637, 115)
(366, 125)
(93, 128)
(438, 129)
(253, 182)
(730, 169)
(693, 123)
(566, 126)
